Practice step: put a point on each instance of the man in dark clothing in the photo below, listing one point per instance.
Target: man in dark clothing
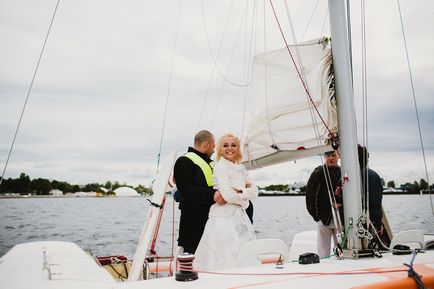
(193, 176)
(321, 188)
(374, 187)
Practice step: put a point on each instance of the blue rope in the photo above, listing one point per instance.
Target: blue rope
(413, 274)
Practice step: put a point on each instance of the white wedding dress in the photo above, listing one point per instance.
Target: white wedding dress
(228, 227)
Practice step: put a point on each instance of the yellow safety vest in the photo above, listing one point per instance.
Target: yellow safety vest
(203, 165)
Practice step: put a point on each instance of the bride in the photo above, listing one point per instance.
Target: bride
(228, 227)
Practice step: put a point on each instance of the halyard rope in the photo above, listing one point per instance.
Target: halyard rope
(296, 68)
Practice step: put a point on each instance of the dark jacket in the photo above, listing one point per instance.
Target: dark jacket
(196, 197)
(375, 189)
(317, 194)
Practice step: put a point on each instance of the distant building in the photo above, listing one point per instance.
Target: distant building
(126, 192)
(56, 193)
(297, 185)
(81, 194)
(392, 191)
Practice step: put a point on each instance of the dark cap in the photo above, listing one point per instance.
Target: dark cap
(327, 153)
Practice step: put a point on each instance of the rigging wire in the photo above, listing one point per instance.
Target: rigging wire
(415, 102)
(266, 84)
(172, 61)
(249, 56)
(364, 169)
(228, 66)
(310, 19)
(326, 16)
(212, 57)
(29, 91)
(350, 44)
(215, 57)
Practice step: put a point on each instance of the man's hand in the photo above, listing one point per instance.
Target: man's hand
(218, 198)
(337, 206)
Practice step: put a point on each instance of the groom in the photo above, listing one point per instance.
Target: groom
(193, 176)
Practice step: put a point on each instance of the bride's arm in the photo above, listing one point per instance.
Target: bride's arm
(251, 190)
(222, 180)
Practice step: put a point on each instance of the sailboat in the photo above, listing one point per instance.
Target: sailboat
(64, 265)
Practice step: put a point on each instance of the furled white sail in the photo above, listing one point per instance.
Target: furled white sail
(281, 126)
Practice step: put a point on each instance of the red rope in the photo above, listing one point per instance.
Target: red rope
(305, 273)
(157, 228)
(296, 68)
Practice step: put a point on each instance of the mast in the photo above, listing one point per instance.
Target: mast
(346, 116)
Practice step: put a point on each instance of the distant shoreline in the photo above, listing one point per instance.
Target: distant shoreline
(303, 194)
(64, 197)
(276, 194)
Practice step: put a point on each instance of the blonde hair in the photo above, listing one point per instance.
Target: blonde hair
(239, 156)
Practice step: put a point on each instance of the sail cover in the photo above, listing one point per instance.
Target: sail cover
(283, 125)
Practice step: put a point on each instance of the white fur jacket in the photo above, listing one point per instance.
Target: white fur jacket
(229, 176)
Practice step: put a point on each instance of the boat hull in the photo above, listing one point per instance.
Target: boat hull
(23, 267)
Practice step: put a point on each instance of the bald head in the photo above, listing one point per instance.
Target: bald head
(204, 142)
(202, 137)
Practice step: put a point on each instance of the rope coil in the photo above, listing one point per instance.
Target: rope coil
(185, 266)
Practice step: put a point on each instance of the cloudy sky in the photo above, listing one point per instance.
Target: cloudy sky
(96, 109)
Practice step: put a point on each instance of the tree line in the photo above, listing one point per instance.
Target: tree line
(410, 188)
(24, 185)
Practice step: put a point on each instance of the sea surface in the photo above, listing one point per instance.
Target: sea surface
(112, 226)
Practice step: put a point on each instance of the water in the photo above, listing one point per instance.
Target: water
(111, 226)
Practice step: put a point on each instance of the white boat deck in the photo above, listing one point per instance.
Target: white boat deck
(23, 268)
